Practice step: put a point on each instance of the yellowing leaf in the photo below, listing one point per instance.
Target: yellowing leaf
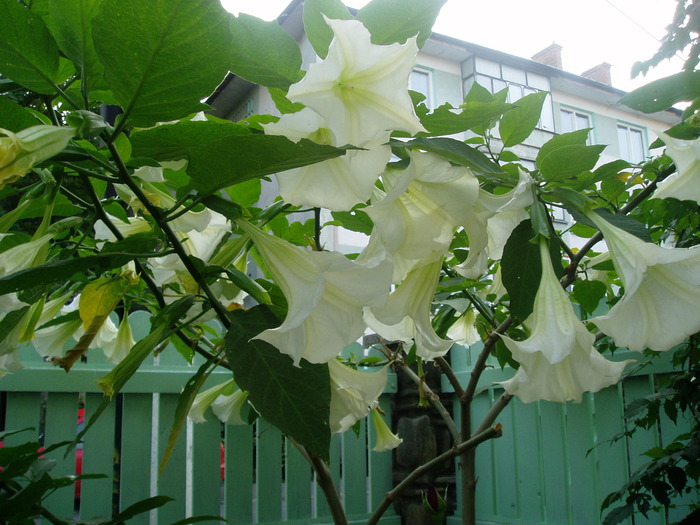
(99, 298)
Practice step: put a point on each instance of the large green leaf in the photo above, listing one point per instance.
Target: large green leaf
(517, 124)
(453, 150)
(28, 52)
(236, 159)
(71, 25)
(317, 30)
(390, 21)
(566, 156)
(162, 57)
(174, 141)
(294, 399)
(445, 121)
(13, 117)
(521, 269)
(264, 53)
(663, 93)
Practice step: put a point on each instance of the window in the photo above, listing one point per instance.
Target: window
(495, 77)
(573, 121)
(420, 81)
(631, 142)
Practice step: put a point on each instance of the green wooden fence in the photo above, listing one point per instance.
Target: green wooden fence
(541, 470)
(264, 479)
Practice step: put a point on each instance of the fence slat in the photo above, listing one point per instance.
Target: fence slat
(269, 473)
(298, 483)
(528, 460)
(206, 467)
(557, 490)
(135, 460)
(355, 470)
(322, 509)
(61, 425)
(582, 476)
(98, 458)
(172, 481)
(238, 477)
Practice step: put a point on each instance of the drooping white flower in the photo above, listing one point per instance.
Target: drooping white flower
(325, 292)
(22, 256)
(406, 316)
(228, 407)
(361, 89)
(558, 362)
(134, 226)
(493, 220)
(660, 306)
(386, 439)
(335, 184)
(464, 331)
(684, 184)
(423, 206)
(203, 400)
(118, 348)
(353, 394)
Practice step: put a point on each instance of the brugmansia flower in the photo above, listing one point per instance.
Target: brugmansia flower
(464, 331)
(493, 220)
(558, 361)
(361, 89)
(19, 152)
(353, 394)
(335, 184)
(406, 316)
(118, 348)
(22, 256)
(228, 407)
(660, 306)
(386, 439)
(423, 206)
(684, 184)
(325, 293)
(203, 400)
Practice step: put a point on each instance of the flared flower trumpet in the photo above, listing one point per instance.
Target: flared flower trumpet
(558, 361)
(335, 184)
(386, 439)
(361, 88)
(20, 151)
(325, 292)
(684, 184)
(353, 394)
(661, 301)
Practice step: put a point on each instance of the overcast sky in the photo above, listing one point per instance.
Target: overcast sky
(618, 32)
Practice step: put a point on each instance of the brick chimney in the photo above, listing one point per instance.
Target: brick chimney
(550, 56)
(599, 73)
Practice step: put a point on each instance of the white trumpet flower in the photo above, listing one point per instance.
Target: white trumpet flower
(684, 184)
(661, 301)
(353, 394)
(558, 362)
(386, 439)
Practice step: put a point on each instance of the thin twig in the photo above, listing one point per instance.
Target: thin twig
(435, 401)
(446, 369)
(480, 364)
(493, 412)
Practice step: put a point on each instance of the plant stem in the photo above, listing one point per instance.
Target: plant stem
(435, 401)
(489, 433)
(325, 481)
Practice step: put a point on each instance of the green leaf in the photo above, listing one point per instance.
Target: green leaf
(355, 220)
(245, 193)
(444, 120)
(264, 53)
(294, 399)
(540, 219)
(248, 285)
(239, 158)
(10, 320)
(28, 52)
(70, 22)
(517, 124)
(139, 507)
(566, 156)
(391, 21)
(163, 56)
(663, 93)
(111, 256)
(317, 30)
(453, 150)
(626, 223)
(13, 117)
(282, 103)
(521, 269)
(175, 141)
(589, 294)
(184, 403)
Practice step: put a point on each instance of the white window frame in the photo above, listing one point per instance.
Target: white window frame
(575, 127)
(626, 146)
(429, 80)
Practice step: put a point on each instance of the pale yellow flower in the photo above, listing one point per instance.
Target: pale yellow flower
(386, 439)
(684, 184)
(353, 394)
